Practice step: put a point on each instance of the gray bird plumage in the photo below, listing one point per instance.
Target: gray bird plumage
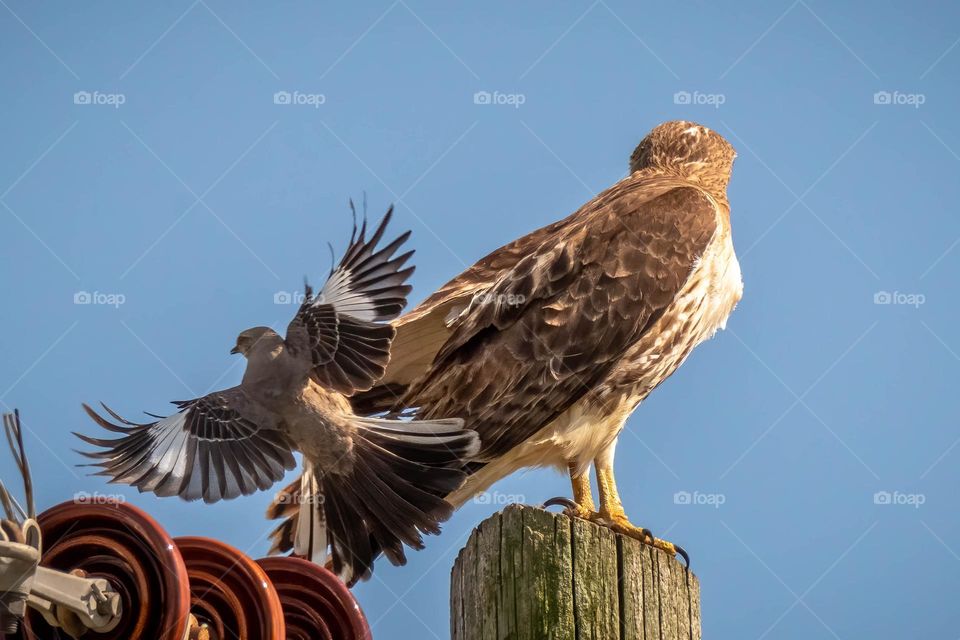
(369, 484)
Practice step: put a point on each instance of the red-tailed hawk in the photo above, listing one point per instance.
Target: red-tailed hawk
(547, 345)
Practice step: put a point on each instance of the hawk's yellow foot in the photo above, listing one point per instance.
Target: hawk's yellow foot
(581, 506)
(622, 525)
(612, 515)
(619, 524)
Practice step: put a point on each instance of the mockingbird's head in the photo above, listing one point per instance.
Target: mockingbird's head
(256, 339)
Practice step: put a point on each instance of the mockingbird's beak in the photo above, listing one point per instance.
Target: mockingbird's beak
(235, 351)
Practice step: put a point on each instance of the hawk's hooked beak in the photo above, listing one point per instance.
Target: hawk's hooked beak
(234, 351)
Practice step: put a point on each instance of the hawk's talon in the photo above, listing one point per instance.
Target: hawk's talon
(570, 508)
(560, 501)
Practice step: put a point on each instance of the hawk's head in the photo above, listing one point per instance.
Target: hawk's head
(689, 148)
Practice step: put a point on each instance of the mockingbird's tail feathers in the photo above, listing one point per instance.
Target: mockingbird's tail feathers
(392, 494)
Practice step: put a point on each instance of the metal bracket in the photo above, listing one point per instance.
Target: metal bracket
(72, 602)
(19, 558)
(72, 599)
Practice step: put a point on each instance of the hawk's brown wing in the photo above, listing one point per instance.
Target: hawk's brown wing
(425, 329)
(485, 271)
(551, 327)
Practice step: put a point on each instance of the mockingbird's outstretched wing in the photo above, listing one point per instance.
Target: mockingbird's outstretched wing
(216, 447)
(345, 326)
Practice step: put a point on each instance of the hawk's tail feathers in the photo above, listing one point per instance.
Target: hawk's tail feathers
(392, 494)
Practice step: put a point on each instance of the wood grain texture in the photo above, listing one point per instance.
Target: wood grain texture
(528, 574)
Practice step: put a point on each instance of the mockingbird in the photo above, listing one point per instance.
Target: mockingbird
(369, 484)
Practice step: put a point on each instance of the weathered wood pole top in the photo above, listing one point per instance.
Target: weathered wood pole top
(529, 574)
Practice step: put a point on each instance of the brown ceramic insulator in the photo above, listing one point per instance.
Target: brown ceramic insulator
(316, 603)
(230, 592)
(123, 545)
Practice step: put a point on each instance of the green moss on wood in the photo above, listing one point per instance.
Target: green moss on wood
(528, 574)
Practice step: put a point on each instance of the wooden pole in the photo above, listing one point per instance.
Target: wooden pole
(529, 574)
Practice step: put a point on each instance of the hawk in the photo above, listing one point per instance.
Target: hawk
(369, 485)
(547, 345)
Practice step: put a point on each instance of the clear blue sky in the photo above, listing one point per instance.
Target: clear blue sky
(198, 199)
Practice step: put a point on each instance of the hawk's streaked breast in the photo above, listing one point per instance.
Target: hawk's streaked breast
(699, 311)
